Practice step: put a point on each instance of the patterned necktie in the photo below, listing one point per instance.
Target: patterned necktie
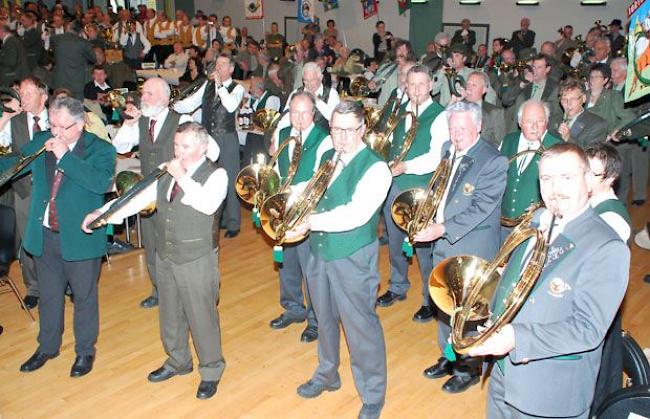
(52, 213)
(175, 190)
(524, 158)
(535, 87)
(36, 127)
(152, 126)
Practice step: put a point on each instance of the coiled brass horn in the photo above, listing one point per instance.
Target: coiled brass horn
(413, 209)
(284, 211)
(454, 80)
(512, 222)
(377, 138)
(22, 163)
(266, 119)
(359, 87)
(479, 287)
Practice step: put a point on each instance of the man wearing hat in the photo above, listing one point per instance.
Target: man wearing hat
(615, 37)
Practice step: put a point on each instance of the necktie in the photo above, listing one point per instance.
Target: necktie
(524, 158)
(152, 126)
(36, 127)
(535, 87)
(52, 213)
(175, 190)
(130, 39)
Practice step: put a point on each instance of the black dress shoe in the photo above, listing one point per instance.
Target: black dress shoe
(1, 330)
(460, 383)
(638, 202)
(647, 278)
(283, 321)
(149, 302)
(388, 298)
(440, 369)
(206, 389)
(82, 366)
(424, 314)
(30, 301)
(162, 374)
(36, 361)
(231, 233)
(310, 334)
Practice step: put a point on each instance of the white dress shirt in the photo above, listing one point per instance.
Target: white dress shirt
(145, 42)
(615, 221)
(117, 36)
(179, 61)
(440, 213)
(524, 160)
(325, 108)
(204, 198)
(427, 162)
(128, 136)
(272, 101)
(43, 122)
(368, 196)
(230, 101)
(160, 33)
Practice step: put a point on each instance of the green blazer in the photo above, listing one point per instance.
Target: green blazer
(611, 107)
(87, 174)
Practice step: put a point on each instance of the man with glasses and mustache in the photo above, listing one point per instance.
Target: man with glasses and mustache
(68, 180)
(17, 129)
(547, 358)
(152, 128)
(343, 276)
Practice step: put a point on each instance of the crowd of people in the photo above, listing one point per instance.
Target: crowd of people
(516, 127)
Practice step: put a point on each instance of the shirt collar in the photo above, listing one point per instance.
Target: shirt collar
(460, 154)
(194, 167)
(421, 108)
(305, 132)
(560, 223)
(524, 141)
(42, 117)
(595, 200)
(161, 116)
(346, 158)
(103, 87)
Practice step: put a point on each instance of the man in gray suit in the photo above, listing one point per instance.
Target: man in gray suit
(577, 126)
(13, 58)
(548, 357)
(73, 56)
(32, 40)
(467, 221)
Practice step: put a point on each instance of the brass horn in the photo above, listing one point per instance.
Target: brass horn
(377, 138)
(454, 80)
(258, 181)
(482, 284)
(22, 163)
(284, 211)
(266, 119)
(413, 209)
(359, 87)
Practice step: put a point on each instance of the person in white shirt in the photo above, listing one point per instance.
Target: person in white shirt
(259, 99)
(326, 97)
(135, 46)
(17, 129)
(186, 202)
(220, 97)
(163, 37)
(177, 60)
(152, 128)
(123, 26)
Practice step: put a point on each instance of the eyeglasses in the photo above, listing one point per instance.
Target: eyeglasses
(339, 132)
(62, 129)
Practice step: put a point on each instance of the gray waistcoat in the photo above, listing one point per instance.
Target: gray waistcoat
(182, 233)
(132, 49)
(162, 150)
(215, 117)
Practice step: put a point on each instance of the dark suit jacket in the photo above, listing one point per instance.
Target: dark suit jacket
(458, 39)
(473, 206)
(588, 129)
(519, 41)
(33, 47)
(87, 174)
(493, 124)
(73, 56)
(13, 61)
(515, 95)
(611, 107)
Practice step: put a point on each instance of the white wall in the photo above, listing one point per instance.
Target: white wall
(504, 16)
(348, 17)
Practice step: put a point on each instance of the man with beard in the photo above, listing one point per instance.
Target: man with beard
(152, 129)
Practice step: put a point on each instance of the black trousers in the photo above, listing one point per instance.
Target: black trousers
(610, 375)
(54, 275)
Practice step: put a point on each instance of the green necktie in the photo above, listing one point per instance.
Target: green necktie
(535, 87)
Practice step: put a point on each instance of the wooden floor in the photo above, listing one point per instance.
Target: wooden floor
(264, 366)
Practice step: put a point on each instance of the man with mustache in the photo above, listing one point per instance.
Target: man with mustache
(548, 356)
(152, 128)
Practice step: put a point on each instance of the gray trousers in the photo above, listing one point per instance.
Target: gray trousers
(148, 230)
(634, 174)
(399, 282)
(292, 271)
(188, 296)
(343, 292)
(498, 408)
(54, 275)
(27, 263)
(229, 160)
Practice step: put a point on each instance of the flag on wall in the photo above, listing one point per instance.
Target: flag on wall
(330, 4)
(254, 9)
(306, 11)
(403, 6)
(370, 8)
(637, 83)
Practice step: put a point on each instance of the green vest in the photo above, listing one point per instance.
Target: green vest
(332, 246)
(262, 102)
(307, 158)
(615, 206)
(521, 190)
(419, 146)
